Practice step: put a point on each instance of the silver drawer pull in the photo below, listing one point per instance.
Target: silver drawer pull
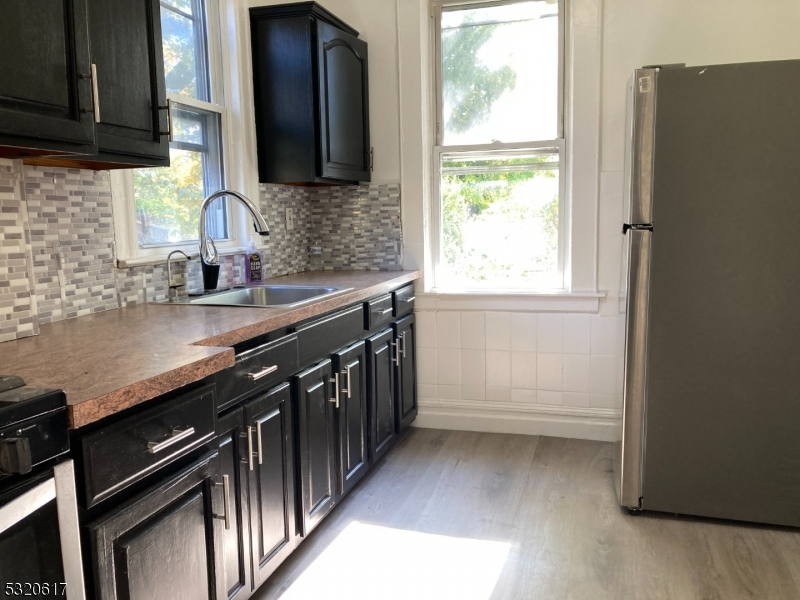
(385, 312)
(411, 299)
(226, 490)
(403, 338)
(177, 436)
(262, 373)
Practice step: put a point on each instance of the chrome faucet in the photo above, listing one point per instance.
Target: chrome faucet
(173, 289)
(208, 250)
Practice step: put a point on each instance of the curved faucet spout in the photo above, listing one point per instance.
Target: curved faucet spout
(208, 251)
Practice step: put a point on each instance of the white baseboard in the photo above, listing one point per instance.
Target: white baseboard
(598, 424)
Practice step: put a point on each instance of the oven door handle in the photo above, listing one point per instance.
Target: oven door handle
(24, 506)
(69, 529)
(61, 488)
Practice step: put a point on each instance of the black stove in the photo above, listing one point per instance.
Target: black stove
(33, 426)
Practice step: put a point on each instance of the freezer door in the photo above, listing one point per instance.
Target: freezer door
(723, 333)
(629, 452)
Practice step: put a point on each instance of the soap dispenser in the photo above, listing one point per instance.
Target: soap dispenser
(253, 263)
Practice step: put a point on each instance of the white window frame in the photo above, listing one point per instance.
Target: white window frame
(128, 252)
(519, 148)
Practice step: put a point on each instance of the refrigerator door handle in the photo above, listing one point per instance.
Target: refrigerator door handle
(635, 378)
(626, 227)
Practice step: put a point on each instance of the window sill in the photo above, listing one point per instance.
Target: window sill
(157, 259)
(581, 302)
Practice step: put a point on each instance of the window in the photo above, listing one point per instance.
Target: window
(167, 200)
(499, 219)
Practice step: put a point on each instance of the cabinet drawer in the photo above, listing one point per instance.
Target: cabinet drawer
(320, 338)
(258, 369)
(378, 312)
(404, 300)
(123, 453)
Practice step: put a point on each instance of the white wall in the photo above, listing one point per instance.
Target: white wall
(695, 32)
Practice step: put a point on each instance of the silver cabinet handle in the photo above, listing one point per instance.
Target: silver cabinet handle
(177, 436)
(95, 93)
(226, 501)
(396, 357)
(385, 312)
(347, 389)
(250, 447)
(250, 453)
(258, 450)
(403, 337)
(262, 373)
(170, 131)
(411, 299)
(335, 381)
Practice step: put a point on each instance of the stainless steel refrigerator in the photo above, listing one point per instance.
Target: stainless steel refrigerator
(711, 416)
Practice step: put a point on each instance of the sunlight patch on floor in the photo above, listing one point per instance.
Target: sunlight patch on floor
(369, 561)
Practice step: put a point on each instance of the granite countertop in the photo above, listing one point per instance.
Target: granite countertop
(113, 360)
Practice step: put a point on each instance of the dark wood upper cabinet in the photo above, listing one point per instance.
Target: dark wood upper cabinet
(46, 105)
(311, 96)
(82, 83)
(125, 40)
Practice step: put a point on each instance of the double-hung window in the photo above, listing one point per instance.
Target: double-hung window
(499, 186)
(163, 204)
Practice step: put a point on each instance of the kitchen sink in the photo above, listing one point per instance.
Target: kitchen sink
(270, 296)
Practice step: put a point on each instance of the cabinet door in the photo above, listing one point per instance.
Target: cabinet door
(381, 353)
(166, 542)
(126, 47)
(317, 444)
(405, 332)
(343, 105)
(233, 463)
(271, 470)
(45, 77)
(352, 416)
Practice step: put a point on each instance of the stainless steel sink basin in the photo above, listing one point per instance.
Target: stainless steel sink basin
(264, 296)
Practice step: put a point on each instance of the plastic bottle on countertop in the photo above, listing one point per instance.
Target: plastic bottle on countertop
(253, 263)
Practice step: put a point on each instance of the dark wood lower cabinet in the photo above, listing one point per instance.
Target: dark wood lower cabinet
(316, 446)
(382, 358)
(405, 333)
(352, 413)
(271, 475)
(233, 463)
(166, 543)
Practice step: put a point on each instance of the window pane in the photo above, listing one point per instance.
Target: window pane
(183, 41)
(168, 200)
(185, 6)
(500, 222)
(500, 73)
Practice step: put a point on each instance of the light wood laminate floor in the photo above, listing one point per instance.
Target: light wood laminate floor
(478, 515)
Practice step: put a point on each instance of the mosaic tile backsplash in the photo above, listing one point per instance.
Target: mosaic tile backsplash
(57, 243)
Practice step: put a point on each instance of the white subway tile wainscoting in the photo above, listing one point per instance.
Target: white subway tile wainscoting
(520, 372)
